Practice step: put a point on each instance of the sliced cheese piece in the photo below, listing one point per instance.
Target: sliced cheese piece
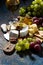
(6, 36)
(13, 27)
(24, 31)
(8, 27)
(4, 27)
(15, 32)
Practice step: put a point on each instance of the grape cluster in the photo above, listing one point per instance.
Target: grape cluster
(28, 43)
(36, 45)
(23, 44)
(22, 11)
(35, 9)
(38, 21)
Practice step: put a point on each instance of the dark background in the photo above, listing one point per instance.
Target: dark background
(5, 14)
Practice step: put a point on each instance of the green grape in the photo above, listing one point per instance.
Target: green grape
(36, 8)
(28, 8)
(29, 13)
(25, 40)
(20, 40)
(32, 6)
(21, 43)
(41, 3)
(18, 48)
(34, 13)
(17, 44)
(22, 11)
(36, 5)
(33, 2)
(27, 45)
(29, 39)
(38, 14)
(38, 1)
(41, 28)
(23, 48)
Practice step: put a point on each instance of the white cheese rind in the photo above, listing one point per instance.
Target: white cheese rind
(15, 32)
(4, 27)
(13, 27)
(24, 31)
(6, 36)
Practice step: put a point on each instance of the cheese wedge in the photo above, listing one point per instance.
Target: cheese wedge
(6, 36)
(4, 27)
(24, 31)
(15, 32)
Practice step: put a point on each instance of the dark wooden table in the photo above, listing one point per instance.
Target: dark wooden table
(16, 59)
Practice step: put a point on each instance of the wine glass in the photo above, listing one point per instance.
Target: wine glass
(12, 5)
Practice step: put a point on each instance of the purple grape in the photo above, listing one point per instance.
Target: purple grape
(42, 24)
(40, 20)
(37, 47)
(35, 18)
(36, 22)
(32, 45)
(38, 42)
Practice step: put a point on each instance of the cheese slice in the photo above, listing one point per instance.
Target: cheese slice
(24, 31)
(15, 33)
(6, 36)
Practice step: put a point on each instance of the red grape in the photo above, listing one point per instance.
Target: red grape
(32, 45)
(38, 42)
(40, 20)
(36, 22)
(37, 47)
(42, 24)
(35, 18)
